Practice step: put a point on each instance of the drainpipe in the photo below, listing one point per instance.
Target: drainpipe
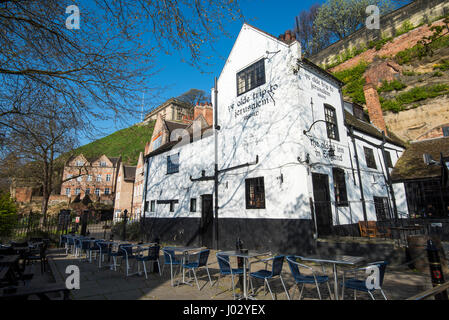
(216, 128)
(390, 185)
(144, 195)
(362, 197)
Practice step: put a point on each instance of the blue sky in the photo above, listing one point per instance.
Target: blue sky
(272, 16)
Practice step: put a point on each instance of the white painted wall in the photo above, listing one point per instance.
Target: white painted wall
(269, 121)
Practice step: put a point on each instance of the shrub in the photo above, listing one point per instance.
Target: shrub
(443, 66)
(8, 215)
(406, 27)
(354, 80)
(132, 230)
(419, 50)
(391, 86)
(414, 95)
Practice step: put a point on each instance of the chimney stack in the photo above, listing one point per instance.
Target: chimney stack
(373, 105)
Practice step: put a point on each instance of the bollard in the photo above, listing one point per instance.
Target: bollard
(125, 219)
(436, 273)
(239, 247)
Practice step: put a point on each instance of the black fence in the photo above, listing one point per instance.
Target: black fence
(95, 224)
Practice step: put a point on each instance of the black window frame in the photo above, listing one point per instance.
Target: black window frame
(255, 72)
(152, 206)
(445, 131)
(340, 190)
(330, 116)
(171, 167)
(369, 158)
(193, 203)
(388, 161)
(258, 185)
(382, 208)
(172, 206)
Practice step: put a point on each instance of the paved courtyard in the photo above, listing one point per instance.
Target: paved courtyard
(106, 284)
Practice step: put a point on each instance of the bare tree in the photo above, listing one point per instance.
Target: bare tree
(312, 41)
(100, 69)
(37, 140)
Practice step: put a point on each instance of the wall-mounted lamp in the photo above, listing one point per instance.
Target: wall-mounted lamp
(281, 178)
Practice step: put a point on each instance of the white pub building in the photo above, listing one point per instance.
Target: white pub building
(290, 161)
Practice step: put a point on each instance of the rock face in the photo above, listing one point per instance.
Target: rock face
(420, 123)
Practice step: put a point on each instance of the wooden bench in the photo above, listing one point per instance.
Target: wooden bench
(371, 230)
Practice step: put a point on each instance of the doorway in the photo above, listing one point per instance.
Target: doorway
(206, 223)
(323, 211)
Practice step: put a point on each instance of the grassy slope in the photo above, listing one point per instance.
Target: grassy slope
(127, 142)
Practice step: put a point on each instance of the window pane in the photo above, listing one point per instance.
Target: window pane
(341, 197)
(369, 156)
(251, 77)
(331, 122)
(255, 193)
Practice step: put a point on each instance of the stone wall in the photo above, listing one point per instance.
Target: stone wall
(416, 12)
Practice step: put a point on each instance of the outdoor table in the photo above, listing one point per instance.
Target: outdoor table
(334, 260)
(246, 256)
(185, 251)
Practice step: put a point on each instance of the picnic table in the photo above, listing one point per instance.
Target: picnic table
(23, 293)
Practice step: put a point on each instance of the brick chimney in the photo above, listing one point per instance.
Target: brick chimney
(373, 104)
(206, 110)
(288, 37)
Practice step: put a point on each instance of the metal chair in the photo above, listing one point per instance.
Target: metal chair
(153, 255)
(277, 263)
(226, 269)
(360, 284)
(103, 249)
(118, 253)
(306, 279)
(127, 254)
(171, 259)
(203, 255)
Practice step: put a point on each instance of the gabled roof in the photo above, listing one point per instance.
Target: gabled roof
(205, 132)
(411, 165)
(129, 173)
(173, 125)
(371, 130)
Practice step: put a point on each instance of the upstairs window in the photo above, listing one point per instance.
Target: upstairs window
(341, 196)
(99, 178)
(79, 163)
(152, 205)
(89, 177)
(331, 122)
(67, 191)
(251, 77)
(173, 163)
(255, 193)
(97, 191)
(446, 131)
(369, 156)
(106, 191)
(108, 177)
(388, 159)
(103, 164)
(77, 191)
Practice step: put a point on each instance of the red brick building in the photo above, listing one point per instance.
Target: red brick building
(96, 177)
